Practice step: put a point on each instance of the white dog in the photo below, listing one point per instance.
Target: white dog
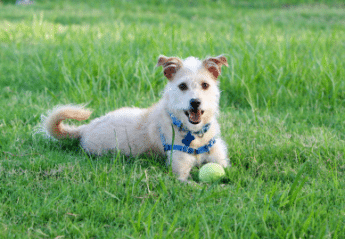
(187, 111)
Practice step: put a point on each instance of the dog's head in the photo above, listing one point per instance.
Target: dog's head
(192, 93)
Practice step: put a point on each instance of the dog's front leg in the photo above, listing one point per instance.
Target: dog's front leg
(181, 164)
(218, 154)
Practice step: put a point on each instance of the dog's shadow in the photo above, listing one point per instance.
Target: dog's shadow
(73, 147)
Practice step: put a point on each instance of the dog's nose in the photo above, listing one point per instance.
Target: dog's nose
(195, 103)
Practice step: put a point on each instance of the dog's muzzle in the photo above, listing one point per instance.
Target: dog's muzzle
(194, 113)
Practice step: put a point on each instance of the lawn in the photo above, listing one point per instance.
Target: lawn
(282, 116)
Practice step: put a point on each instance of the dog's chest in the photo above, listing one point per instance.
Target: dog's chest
(199, 160)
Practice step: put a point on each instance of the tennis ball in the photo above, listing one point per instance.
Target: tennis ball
(211, 172)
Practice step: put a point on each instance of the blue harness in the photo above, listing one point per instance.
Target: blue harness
(187, 139)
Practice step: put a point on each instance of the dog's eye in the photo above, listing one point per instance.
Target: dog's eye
(182, 86)
(205, 85)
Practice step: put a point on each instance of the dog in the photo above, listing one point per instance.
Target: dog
(182, 125)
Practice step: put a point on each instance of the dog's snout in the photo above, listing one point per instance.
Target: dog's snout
(195, 103)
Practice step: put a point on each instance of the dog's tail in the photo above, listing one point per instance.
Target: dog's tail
(52, 124)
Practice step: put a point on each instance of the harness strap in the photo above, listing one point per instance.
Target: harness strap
(203, 149)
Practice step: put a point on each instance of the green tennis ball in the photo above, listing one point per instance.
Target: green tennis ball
(211, 172)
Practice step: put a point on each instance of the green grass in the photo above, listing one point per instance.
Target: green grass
(282, 116)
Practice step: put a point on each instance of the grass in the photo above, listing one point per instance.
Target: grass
(282, 117)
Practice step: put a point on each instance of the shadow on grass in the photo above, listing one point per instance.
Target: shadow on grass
(73, 147)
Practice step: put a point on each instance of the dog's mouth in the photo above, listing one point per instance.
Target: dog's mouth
(194, 116)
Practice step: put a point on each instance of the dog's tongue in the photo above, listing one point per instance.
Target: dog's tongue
(195, 116)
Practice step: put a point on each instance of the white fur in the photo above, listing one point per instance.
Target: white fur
(134, 131)
(192, 63)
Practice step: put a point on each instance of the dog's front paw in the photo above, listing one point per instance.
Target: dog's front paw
(190, 183)
(184, 179)
(225, 163)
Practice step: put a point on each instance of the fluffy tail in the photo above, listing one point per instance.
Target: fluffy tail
(53, 126)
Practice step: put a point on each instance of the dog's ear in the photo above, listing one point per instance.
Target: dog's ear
(170, 65)
(214, 64)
